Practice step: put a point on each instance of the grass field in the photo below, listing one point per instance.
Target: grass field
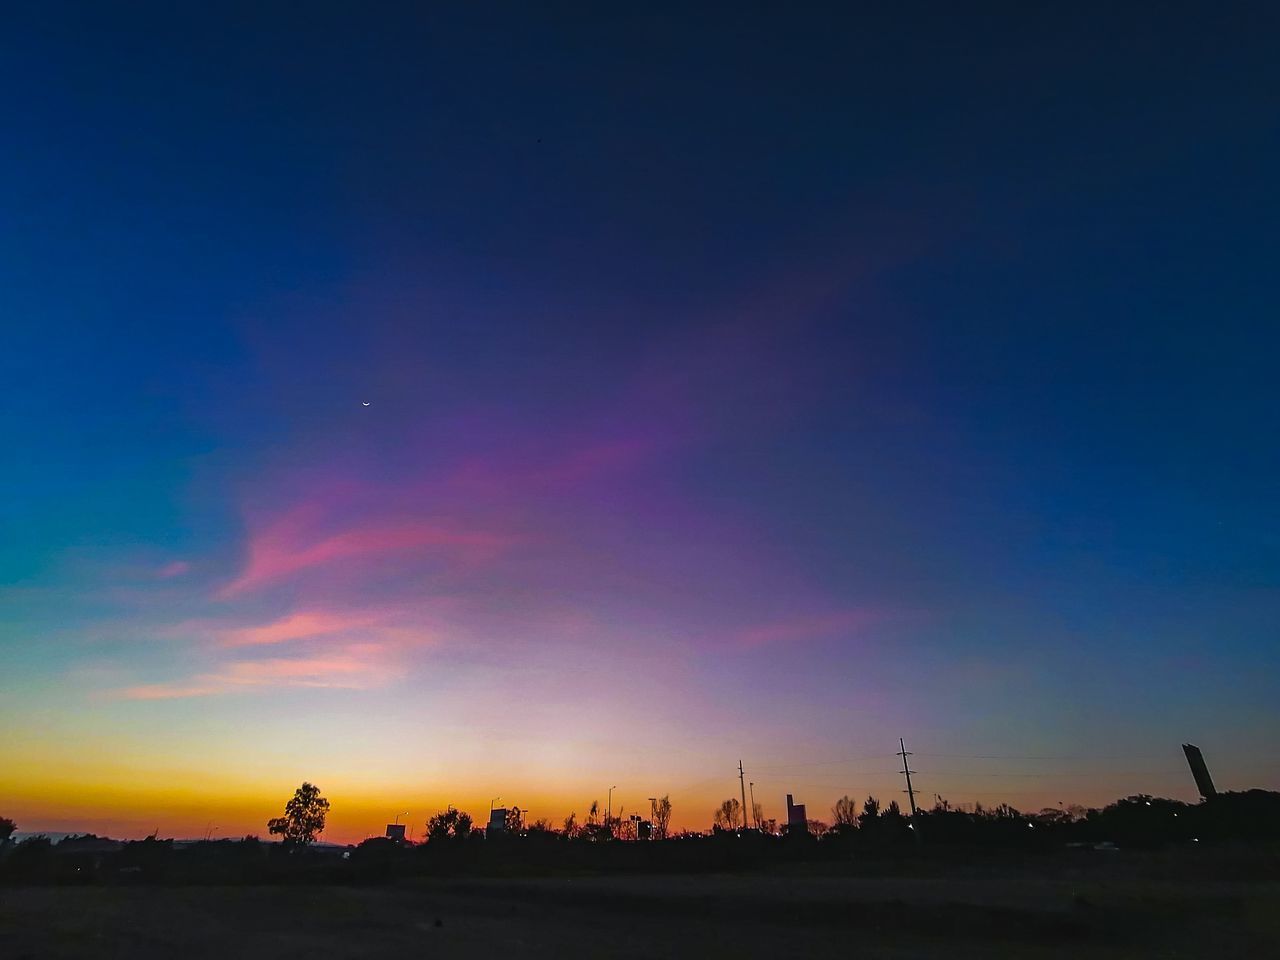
(1101, 910)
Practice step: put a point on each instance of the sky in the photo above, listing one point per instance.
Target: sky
(445, 405)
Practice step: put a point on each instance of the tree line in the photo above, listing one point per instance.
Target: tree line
(453, 844)
(306, 813)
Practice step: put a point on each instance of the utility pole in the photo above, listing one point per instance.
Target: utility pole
(911, 794)
(754, 818)
(742, 784)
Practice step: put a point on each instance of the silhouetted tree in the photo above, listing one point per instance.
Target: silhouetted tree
(303, 818)
(7, 827)
(845, 813)
(1252, 814)
(595, 828)
(728, 814)
(449, 824)
(661, 818)
(571, 828)
(1052, 816)
(757, 815)
(871, 828)
(870, 811)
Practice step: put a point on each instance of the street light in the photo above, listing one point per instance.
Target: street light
(609, 811)
(492, 802)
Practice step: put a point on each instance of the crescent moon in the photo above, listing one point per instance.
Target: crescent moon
(364, 403)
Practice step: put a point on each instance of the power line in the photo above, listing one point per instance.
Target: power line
(1010, 756)
(949, 774)
(826, 763)
(1069, 773)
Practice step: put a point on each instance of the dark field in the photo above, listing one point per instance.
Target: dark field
(1111, 905)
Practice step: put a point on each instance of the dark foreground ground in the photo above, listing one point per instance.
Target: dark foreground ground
(1108, 906)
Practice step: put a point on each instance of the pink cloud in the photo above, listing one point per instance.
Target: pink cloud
(356, 667)
(279, 551)
(175, 569)
(297, 626)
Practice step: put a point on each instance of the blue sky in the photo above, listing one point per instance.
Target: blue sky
(820, 378)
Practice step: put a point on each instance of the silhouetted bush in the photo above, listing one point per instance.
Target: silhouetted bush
(147, 858)
(30, 861)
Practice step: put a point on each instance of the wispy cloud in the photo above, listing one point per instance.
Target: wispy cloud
(281, 550)
(299, 626)
(356, 667)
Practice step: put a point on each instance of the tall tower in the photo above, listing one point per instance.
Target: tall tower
(1195, 760)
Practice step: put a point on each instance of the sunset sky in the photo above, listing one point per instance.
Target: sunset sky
(440, 407)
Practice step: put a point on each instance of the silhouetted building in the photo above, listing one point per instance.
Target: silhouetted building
(797, 818)
(395, 831)
(497, 821)
(1195, 760)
